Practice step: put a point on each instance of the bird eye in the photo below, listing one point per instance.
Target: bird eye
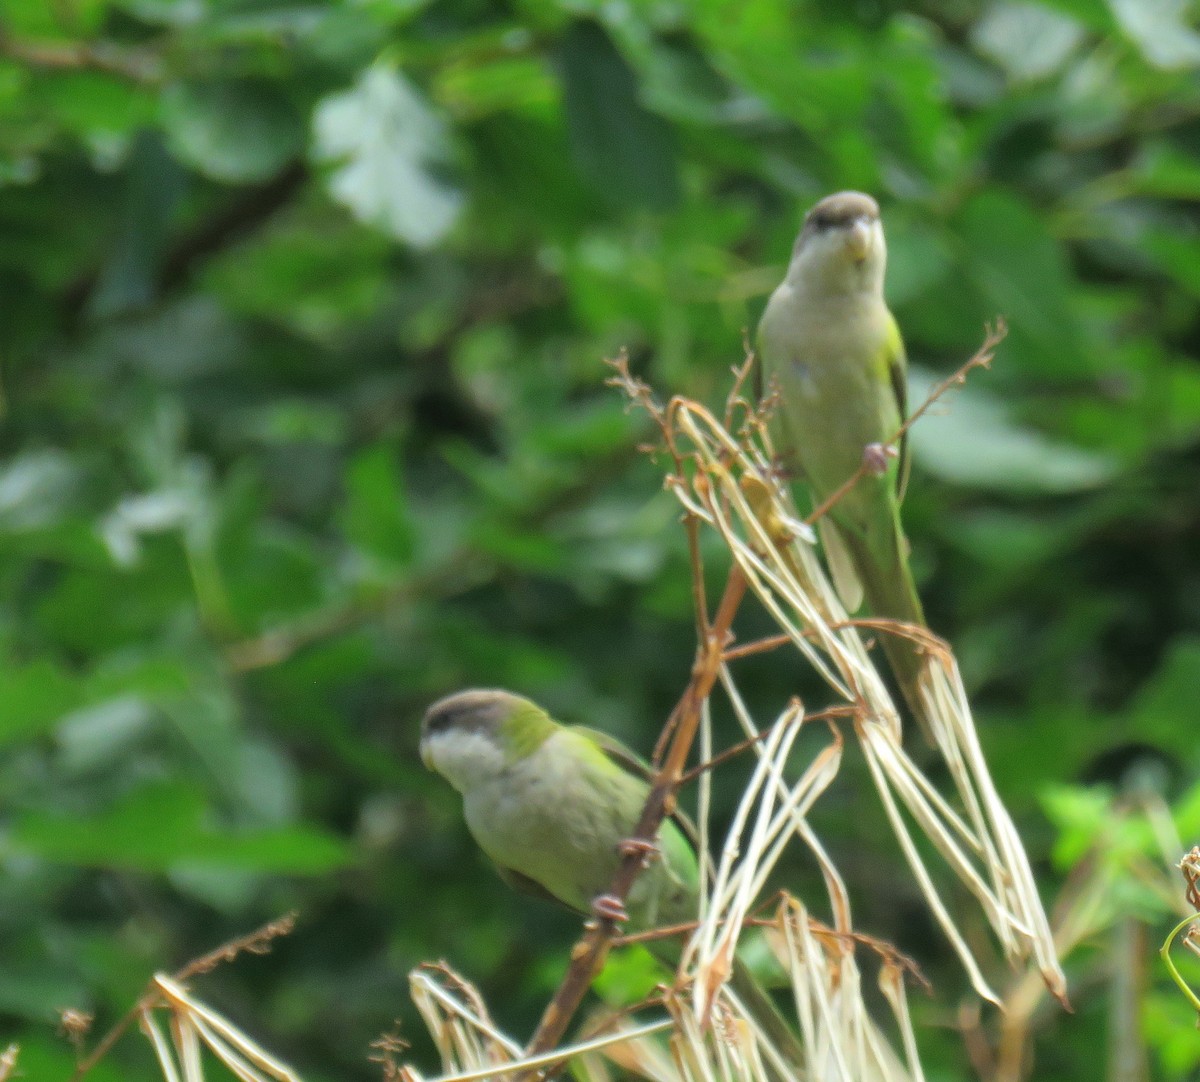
(437, 720)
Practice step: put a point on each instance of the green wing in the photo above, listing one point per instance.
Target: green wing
(524, 885)
(898, 376)
(633, 763)
(621, 755)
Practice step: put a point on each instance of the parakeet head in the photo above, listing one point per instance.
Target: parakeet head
(474, 734)
(840, 248)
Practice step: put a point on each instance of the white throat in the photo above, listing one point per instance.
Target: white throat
(464, 758)
(821, 266)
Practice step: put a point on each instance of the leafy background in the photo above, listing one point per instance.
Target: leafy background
(305, 424)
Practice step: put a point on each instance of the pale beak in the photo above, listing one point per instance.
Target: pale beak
(858, 239)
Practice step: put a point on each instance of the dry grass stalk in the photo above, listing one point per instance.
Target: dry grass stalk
(974, 835)
(471, 1045)
(194, 1026)
(725, 482)
(1091, 907)
(191, 1022)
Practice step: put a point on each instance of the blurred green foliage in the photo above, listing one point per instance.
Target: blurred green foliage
(305, 424)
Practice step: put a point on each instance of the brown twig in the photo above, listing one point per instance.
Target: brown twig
(737, 749)
(1189, 865)
(249, 209)
(885, 951)
(461, 570)
(741, 372)
(386, 1050)
(139, 65)
(700, 606)
(590, 951)
(760, 646)
(257, 942)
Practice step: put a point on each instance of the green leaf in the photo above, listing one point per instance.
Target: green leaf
(272, 574)
(313, 274)
(1091, 14)
(1165, 170)
(36, 488)
(149, 513)
(1176, 1047)
(376, 516)
(494, 85)
(1021, 270)
(154, 186)
(98, 106)
(628, 976)
(1161, 29)
(162, 825)
(971, 441)
(1175, 251)
(1163, 710)
(33, 698)
(44, 21)
(102, 733)
(623, 151)
(389, 147)
(178, 13)
(237, 130)
(1081, 816)
(1186, 813)
(1028, 40)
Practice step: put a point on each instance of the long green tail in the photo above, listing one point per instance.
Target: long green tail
(759, 1003)
(881, 560)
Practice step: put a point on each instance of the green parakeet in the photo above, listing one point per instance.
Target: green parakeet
(550, 805)
(830, 346)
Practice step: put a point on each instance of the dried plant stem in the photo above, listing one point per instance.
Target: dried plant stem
(828, 714)
(257, 942)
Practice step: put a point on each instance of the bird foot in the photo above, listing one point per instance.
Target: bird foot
(610, 907)
(638, 847)
(875, 457)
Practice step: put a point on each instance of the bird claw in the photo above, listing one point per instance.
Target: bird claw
(638, 847)
(610, 907)
(875, 457)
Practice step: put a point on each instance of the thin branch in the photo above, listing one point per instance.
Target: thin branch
(982, 359)
(744, 745)
(761, 646)
(250, 208)
(138, 65)
(741, 373)
(257, 942)
(462, 570)
(1190, 866)
(590, 951)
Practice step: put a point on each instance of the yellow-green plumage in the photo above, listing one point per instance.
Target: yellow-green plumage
(830, 347)
(550, 805)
